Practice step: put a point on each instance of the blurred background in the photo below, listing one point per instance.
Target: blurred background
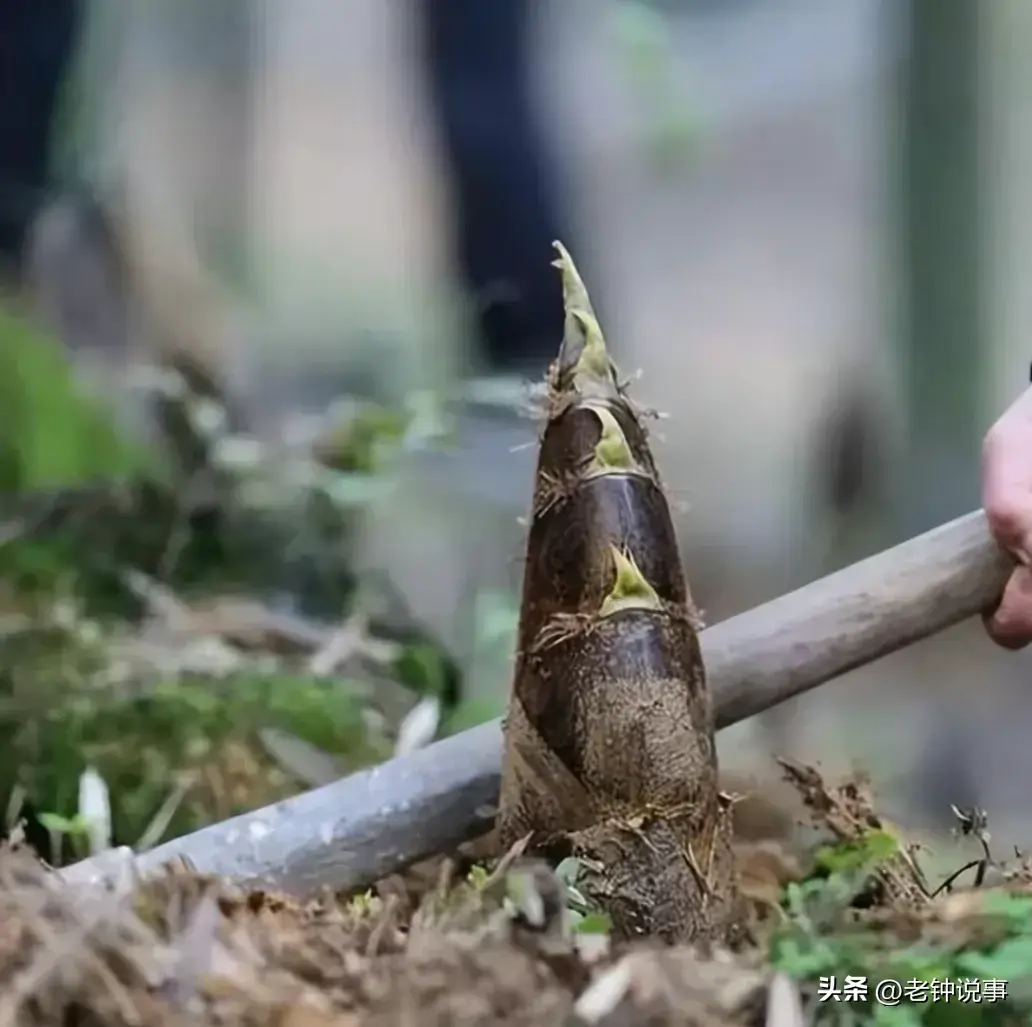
(807, 224)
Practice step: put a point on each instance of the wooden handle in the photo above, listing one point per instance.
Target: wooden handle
(803, 639)
(355, 831)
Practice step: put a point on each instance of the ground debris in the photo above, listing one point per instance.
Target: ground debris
(183, 948)
(455, 941)
(847, 813)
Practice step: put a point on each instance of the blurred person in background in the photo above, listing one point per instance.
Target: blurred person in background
(476, 61)
(507, 199)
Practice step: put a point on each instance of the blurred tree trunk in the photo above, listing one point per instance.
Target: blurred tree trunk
(944, 353)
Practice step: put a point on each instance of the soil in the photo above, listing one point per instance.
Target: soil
(438, 945)
(189, 949)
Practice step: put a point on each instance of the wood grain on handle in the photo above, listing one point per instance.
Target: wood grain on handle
(355, 831)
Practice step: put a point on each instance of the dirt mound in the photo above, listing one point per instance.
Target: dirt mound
(186, 949)
(447, 943)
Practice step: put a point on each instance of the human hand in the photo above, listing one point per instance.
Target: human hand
(1007, 500)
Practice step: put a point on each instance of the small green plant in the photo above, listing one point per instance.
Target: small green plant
(825, 939)
(585, 917)
(76, 830)
(478, 876)
(365, 904)
(861, 856)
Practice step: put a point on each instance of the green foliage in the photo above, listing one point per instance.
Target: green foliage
(84, 542)
(824, 935)
(584, 917)
(192, 735)
(51, 435)
(595, 922)
(76, 830)
(175, 752)
(361, 442)
(365, 904)
(424, 668)
(875, 848)
(478, 876)
(54, 438)
(88, 516)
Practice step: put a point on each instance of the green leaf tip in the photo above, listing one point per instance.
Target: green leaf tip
(612, 451)
(630, 589)
(583, 350)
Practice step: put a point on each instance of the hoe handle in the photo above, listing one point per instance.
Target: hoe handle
(853, 617)
(373, 823)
